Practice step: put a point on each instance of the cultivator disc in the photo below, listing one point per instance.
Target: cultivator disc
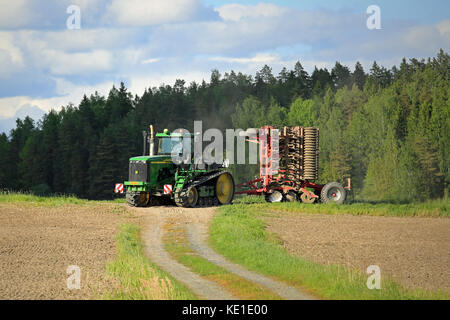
(311, 154)
(306, 198)
(299, 153)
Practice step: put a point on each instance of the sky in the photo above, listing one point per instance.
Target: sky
(46, 63)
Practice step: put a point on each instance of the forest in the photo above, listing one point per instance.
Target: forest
(386, 129)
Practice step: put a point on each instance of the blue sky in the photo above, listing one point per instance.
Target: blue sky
(145, 43)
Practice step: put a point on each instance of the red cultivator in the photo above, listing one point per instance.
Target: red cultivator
(289, 162)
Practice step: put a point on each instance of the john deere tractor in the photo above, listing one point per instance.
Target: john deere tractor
(155, 179)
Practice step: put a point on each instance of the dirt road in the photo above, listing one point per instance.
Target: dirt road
(196, 222)
(414, 250)
(37, 244)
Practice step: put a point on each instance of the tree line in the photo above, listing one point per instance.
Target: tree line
(387, 129)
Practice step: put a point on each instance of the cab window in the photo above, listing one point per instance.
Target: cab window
(167, 145)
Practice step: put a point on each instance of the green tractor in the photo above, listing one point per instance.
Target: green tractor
(155, 179)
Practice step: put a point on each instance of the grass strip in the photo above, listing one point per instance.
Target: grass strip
(29, 199)
(33, 200)
(239, 234)
(138, 278)
(432, 208)
(177, 244)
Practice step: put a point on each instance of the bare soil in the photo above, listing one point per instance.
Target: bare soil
(415, 251)
(37, 244)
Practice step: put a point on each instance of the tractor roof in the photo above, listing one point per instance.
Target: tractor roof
(174, 134)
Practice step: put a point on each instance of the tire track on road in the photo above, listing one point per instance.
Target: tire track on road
(154, 248)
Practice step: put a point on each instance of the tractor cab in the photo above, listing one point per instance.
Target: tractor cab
(173, 144)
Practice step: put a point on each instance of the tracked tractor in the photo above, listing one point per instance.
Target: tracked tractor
(155, 179)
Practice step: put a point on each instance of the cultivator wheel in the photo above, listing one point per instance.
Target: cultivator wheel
(333, 192)
(275, 196)
(137, 199)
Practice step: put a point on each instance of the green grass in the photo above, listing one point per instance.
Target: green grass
(432, 208)
(33, 200)
(139, 278)
(239, 234)
(28, 198)
(177, 245)
(119, 200)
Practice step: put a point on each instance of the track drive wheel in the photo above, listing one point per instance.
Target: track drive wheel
(137, 199)
(188, 198)
(224, 188)
(333, 192)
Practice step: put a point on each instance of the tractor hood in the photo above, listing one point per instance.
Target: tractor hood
(152, 158)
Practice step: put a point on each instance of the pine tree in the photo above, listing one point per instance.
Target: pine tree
(5, 173)
(359, 76)
(341, 76)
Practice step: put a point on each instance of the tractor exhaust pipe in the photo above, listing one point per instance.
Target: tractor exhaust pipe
(152, 141)
(144, 135)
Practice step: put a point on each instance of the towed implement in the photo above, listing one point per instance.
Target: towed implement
(289, 166)
(155, 179)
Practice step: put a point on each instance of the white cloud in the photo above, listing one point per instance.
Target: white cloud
(82, 39)
(137, 84)
(11, 57)
(71, 52)
(66, 92)
(151, 60)
(259, 58)
(444, 28)
(14, 14)
(62, 63)
(151, 12)
(6, 124)
(236, 12)
(10, 105)
(273, 60)
(254, 33)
